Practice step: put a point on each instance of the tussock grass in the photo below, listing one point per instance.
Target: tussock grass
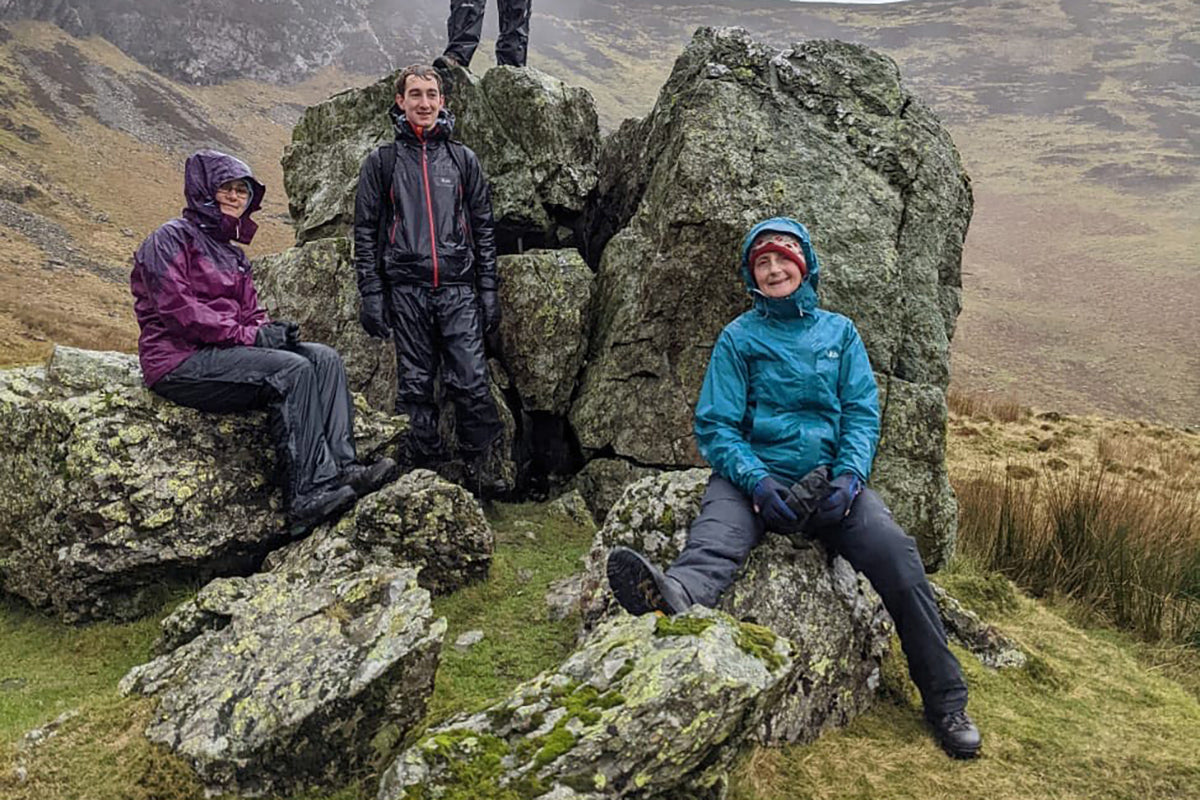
(983, 406)
(1129, 550)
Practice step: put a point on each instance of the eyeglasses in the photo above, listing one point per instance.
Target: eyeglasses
(239, 188)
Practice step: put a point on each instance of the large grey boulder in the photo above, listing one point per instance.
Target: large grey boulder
(604, 725)
(108, 492)
(420, 519)
(833, 618)
(546, 302)
(315, 286)
(822, 131)
(537, 139)
(288, 679)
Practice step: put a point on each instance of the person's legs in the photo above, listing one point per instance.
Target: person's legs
(512, 46)
(878, 548)
(465, 373)
(241, 378)
(336, 403)
(413, 331)
(719, 541)
(463, 29)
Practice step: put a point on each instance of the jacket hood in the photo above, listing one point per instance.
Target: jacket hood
(804, 299)
(442, 129)
(203, 173)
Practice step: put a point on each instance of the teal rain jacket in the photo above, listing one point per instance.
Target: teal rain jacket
(789, 386)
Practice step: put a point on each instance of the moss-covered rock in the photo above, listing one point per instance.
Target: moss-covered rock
(109, 493)
(822, 131)
(633, 712)
(829, 613)
(284, 680)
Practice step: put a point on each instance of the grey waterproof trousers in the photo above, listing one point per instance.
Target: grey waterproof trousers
(304, 390)
(728, 529)
(465, 26)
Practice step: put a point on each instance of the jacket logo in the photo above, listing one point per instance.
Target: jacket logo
(445, 180)
(831, 353)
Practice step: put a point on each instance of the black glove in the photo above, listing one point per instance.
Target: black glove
(489, 302)
(806, 495)
(277, 335)
(370, 315)
(836, 505)
(770, 501)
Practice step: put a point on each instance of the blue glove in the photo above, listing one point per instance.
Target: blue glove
(836, 505)
(770, 501)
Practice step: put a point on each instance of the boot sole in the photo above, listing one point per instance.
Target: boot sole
(633, 583)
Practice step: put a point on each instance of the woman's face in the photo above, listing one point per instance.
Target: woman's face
(233, 197)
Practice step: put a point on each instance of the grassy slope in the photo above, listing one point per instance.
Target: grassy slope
(1088, 719)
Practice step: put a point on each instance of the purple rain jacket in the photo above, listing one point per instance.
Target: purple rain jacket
(191, 285)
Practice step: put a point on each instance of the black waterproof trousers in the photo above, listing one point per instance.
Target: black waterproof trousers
(442, 328)
(728, 529)
(304, 390)
(465, 25)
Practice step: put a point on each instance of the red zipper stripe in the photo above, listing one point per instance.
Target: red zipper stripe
(429, 208)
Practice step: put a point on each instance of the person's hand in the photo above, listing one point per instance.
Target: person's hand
(277, 335)
(370, 315)
(770, 501)
(836, 505)
(489, 302)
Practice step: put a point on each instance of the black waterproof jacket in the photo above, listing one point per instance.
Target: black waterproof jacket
(438, 197)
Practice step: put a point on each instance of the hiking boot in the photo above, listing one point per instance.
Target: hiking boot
(479, 482)
(325, 502)
(364, 480)
(445, 65)
(956, 733)
(640, 587)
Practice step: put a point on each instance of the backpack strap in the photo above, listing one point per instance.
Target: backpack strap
(387, 165)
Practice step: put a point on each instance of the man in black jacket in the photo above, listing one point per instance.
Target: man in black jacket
(425, 256)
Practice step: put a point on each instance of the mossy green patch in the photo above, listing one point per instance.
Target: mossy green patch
(760, 643)
(554, 744)
(682, 626)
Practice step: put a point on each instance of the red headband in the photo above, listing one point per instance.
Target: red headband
(775, 247)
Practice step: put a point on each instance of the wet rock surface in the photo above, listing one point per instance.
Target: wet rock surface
(647, 707)
(129, 491)
(283, 680)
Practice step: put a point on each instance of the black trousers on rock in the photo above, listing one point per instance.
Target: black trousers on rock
(442, 329)
(465, 26)
(728, 529)
(304, 390)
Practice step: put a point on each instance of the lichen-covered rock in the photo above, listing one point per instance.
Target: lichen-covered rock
(985, 641)
(546, 300)
(537, 139)
(109, 492)
(315, 286)
(647, 707)
(830, 614)
(420, 519)
(822, 131)
(288, 680)
(602, 481)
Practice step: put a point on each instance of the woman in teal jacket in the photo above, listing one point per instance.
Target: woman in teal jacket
(788, 418)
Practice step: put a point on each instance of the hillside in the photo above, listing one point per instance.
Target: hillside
(1078, 126)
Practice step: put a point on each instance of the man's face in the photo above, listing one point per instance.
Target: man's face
(233, 197)
(775, 274)
(421, 101)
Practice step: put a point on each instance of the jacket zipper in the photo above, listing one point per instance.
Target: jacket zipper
(429, 207)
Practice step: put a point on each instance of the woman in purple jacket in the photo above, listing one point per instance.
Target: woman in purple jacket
(206, 343)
